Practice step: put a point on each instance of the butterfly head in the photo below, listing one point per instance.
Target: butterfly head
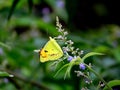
(43, 53)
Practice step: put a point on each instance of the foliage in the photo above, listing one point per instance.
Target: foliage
(25, 31)
(114, 84)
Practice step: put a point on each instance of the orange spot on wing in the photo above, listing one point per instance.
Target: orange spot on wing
(43, 53)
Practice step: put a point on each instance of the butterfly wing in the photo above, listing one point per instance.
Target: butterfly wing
(51, 51)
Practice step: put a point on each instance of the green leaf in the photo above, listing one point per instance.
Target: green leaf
(14, 4)
(29, 21)
(61, 69)
(102, 49)
(116, 53)
(90, 54)
(5, 74)
(4, 45)
(112, 84)
(30, 4)
(71, 64)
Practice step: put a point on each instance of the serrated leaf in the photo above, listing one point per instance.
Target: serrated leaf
(5, 74)
(90, 54)
(112, 84)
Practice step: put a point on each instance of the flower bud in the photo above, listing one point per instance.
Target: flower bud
(82, 66)
(70, 58)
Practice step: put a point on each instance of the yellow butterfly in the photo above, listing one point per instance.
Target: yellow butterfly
(51, 51)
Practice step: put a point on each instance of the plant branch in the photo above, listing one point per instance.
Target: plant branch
(98, 76)
(34, 83)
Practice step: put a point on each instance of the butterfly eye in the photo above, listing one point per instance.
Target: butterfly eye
(43, 53)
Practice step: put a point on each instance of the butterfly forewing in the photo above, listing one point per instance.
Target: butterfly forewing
(52, 51)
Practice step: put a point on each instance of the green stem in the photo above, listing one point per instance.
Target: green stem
(4, 45)
(98, 76)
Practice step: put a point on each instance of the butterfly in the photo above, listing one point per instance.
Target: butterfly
(51, 51)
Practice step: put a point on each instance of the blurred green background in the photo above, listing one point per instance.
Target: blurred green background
(25, 25)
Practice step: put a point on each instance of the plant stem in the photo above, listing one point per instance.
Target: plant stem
(5, 45)
(33, 83)
(98, 76)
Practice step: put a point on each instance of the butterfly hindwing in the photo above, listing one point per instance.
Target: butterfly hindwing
(51, 51)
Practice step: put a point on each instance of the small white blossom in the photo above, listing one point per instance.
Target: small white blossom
(60, 37)
(65, 33)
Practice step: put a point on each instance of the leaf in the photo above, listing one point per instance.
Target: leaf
(4, 45)
(112, 83)
(14, 4)
(69, 69)
(61, 69)
(29, 21)
(116, 53)
(90, 54)
(5, 74)
(30, 4)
